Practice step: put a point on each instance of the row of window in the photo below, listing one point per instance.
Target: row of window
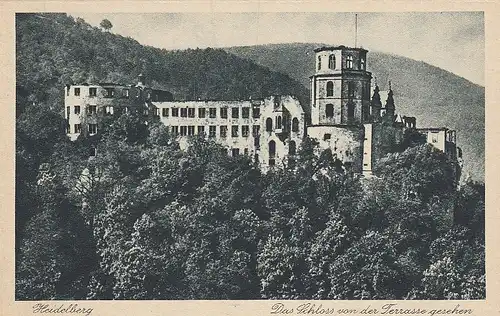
(349, 62)
(110, 92)
(281, 123)
(212, 130)
(211, 113)
(77, 128)
(351, 89)
(329, 110)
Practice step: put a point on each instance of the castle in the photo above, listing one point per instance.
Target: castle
(357, 123)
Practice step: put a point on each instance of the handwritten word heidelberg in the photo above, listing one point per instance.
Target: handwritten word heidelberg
(386, 309)
(60, 309)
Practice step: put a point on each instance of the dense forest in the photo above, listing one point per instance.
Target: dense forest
(146, 220)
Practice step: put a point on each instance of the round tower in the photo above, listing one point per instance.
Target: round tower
(340, 87)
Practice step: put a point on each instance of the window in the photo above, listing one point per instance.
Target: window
(255, 130)
(329, 110)
(329, 89)
(272, 149)
(350, 111)
(92, 129)
(235, 152)
(201, 130)
(235, 113)
(245, 151)
(157, 112)
(92, 152)
(223, 131)
(295, 125)
(191, 112)
(183, 130)
(331, 62)
(292, 148)
(126, 93)
(349, 62)
(245, 130)
(92, 92)
(211, 131)
(92, 109)
(434, 138)
(212, 112)
(256, 158)
(362, 64)
(77, 92)
(184, 113)
(256, 141)
(327, 136)
(78, 128)
(269, 125)
(245, 112)
(278, 122)
(190, 130)
(256, 112)
(68, 111)
(350, 89)
(272, 153)
(109, 110)
(77, 109)
(145, 112)
(175, 130)
(175, 112)
(223, 113)
(164, 112)
(234, 131)
(110, 92)
(68, 128)
(201, 112)
(319, 62)
(67, 91)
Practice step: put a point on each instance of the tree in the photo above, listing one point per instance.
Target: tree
(106, 25)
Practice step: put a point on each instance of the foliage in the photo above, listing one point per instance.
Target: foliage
(106, 24)
(147, 220)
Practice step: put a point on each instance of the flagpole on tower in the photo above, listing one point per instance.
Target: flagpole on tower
(356, 31)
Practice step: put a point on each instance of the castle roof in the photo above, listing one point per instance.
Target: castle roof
(340, 47)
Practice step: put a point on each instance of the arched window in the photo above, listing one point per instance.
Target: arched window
(329, 110)
(349, 62)
(331, 62)
(362, 64)
(329, 89)
(272, 149)
(319, 62)
(295, 125)
(350, 111)
(292, 148)
(278, 122)
(269, 124)
(272, 153)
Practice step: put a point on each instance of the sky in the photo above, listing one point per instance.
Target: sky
(453, 41)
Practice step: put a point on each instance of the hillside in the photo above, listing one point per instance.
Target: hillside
(54, 50)
(436, 97)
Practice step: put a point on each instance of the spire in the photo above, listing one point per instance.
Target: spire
(389, 103)
(390, 108)
(376, 103)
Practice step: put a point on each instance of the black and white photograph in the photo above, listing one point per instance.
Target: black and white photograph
(249, 156)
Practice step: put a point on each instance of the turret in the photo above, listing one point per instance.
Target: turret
(340, 88)
(376, 103)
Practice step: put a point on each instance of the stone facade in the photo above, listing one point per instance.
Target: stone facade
(357, 123)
